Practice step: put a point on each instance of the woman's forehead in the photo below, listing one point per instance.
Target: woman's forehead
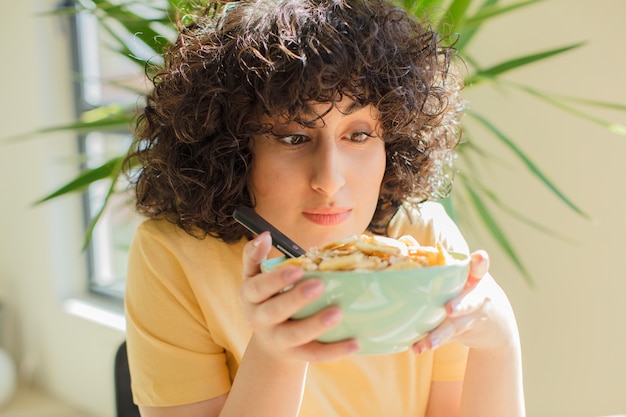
(314, 113)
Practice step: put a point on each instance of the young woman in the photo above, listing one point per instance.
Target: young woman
(330, 118)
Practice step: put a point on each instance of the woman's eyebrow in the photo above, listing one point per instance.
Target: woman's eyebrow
(353, 107)
(312, 120)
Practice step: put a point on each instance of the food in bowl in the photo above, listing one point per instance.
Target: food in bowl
(371, 252)
(391, 293)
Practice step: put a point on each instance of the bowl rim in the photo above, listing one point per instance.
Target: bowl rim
(462, 260)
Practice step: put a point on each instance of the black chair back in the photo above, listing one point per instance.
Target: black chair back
(123, 394)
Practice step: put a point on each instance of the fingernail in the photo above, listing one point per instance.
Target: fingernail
(483, 263)
(331, 317)
(353, 347)
(312, 288)
(419, 348)
(291, 275)
(452, 307)
(257, 240)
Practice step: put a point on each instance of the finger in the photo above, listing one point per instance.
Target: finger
(299, 332)
(479, 266)
(275, 309)
(449, 328)
(462, 303)
(466, 303)
(254, 253)
(265, 286)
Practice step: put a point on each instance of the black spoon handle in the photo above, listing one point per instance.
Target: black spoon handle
(257, 225)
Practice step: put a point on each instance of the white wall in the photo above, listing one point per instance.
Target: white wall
(572, 322)
(40, 257)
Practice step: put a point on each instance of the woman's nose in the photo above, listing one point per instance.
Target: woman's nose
(327, 176)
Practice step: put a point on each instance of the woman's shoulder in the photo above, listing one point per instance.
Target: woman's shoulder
(429, 223)
(423, 216)
(162, 252)
(160, 227)
(171, 237)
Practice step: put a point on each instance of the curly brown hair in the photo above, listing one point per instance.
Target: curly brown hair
(276, 57)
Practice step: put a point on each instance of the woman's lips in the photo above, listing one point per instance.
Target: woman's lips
(327, 218)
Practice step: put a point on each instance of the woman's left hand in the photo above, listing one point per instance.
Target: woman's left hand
(481, 317)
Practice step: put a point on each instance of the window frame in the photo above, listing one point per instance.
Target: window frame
(86, 81)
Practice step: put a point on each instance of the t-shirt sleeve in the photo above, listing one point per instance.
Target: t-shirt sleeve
(429, 224)
(172, 357)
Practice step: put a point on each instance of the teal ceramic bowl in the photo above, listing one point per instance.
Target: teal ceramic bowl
(386, 311)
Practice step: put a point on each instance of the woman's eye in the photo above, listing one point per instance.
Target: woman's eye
(292, 140)
(360, 136)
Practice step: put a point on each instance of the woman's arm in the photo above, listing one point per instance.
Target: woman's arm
(271, 375)
(493, 379)
(445, 399)
(263, 387)
(482, 319)
(493, 384)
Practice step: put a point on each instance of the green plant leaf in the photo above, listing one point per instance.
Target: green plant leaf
(485, 13)
(94, 220)
(616, 128)
(481, 188)
(490, 10)
(119, 122)
(111, 117)
(534, 169)
(592, 103)
(496, 70)
(126, 41)
(131, 26)
(421, 8)
(496, 232)
(109, 169)
(453, 17)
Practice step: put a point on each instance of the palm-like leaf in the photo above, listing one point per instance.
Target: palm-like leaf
(109, 170)
(493, 72)
(140, 30)
(532, 167)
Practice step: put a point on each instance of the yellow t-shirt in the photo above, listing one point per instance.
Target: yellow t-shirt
(187, 333)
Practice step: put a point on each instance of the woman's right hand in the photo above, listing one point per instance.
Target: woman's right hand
(268, 309)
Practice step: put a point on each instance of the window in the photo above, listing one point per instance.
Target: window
(106, 79)
(108, 247)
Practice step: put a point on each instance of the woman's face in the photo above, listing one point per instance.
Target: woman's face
(320, 183)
